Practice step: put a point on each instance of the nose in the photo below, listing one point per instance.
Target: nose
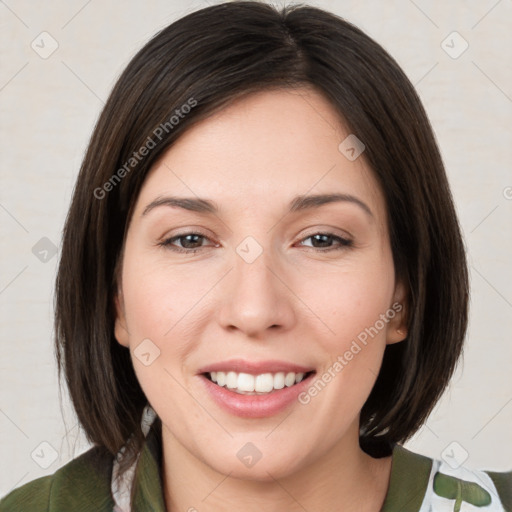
(256, 297)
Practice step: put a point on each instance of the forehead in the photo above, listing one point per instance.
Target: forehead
(264, 149)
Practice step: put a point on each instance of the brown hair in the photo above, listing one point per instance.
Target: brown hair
(212, 57)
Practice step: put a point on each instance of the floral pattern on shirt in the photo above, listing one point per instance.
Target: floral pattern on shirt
(460, 490)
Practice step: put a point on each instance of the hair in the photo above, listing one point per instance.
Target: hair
(207, 60)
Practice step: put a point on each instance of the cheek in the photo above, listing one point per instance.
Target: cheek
(164, 315)
(349, 301)
(354, 307)
(158, 296)
(353, 351)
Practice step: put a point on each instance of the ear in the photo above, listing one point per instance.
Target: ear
(120, 330)
(397, 325)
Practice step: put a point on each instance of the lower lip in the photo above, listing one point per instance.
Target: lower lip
(255, 406)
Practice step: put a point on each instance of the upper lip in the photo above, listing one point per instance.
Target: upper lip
(255, 367)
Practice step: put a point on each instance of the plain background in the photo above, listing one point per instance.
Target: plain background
(49, 107)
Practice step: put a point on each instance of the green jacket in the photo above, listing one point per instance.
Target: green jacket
(84, 485)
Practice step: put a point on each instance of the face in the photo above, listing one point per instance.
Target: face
(259, 288)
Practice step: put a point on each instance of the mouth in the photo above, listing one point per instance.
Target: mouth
(255, 389)
(260, 384)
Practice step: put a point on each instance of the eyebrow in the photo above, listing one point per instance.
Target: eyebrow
(299, 203)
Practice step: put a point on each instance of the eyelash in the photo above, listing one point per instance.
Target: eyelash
(344, 242)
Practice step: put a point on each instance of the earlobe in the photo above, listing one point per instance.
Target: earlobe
(396, 336)
(120, 330)
(397, 327)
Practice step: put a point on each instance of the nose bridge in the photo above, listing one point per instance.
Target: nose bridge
(256, 298)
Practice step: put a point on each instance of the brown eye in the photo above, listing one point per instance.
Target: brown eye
(323, 241)
(188, 242)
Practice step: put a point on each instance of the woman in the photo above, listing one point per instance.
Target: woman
(263, 289)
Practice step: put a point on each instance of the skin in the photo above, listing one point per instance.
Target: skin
(298, 302)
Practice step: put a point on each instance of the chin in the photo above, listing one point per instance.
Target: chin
(249, 463)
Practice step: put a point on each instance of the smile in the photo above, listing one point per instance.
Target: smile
(262, 384)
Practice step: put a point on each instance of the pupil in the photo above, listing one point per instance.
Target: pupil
(187, 241)
(323, 238)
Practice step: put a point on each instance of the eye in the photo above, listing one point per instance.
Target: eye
(188, 241)
(324, 241)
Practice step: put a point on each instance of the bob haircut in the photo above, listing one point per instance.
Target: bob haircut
(207, 60)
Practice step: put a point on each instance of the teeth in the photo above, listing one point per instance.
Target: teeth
(279, 380)
(289, 380)
(264, 383)
(231, 380)
(246, 383)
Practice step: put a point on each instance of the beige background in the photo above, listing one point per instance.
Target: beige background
(49, 107)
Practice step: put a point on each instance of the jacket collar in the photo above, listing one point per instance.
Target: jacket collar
(147, 492)
(410, 473)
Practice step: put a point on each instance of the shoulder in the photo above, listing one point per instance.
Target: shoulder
(437, 484)
(81, 484)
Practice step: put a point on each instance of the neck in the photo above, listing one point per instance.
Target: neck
(343, 478)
